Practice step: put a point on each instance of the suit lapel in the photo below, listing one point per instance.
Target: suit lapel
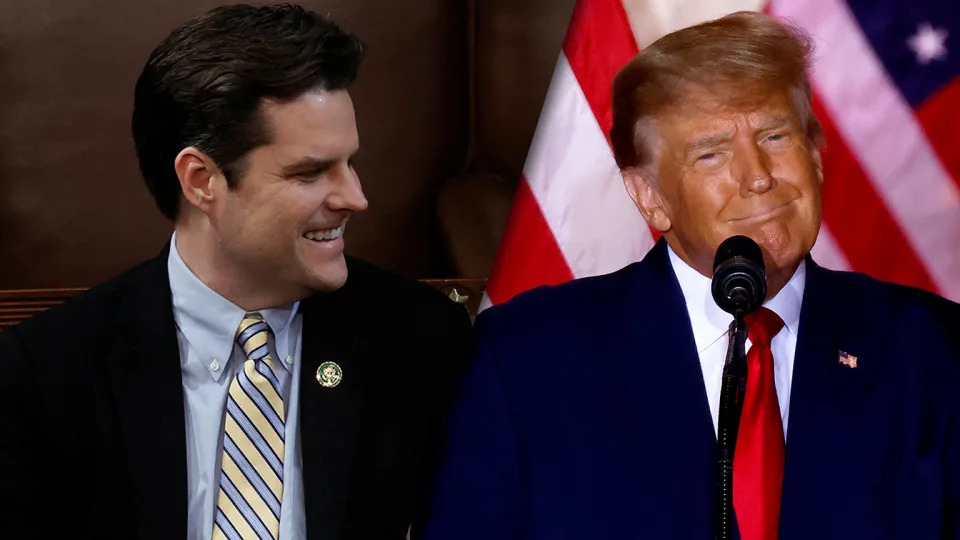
(668, 396)
(826, 396)
(144, 371)
(329, 417)
(672, 354)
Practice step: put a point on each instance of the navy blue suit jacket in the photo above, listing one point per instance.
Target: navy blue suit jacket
(584, 415)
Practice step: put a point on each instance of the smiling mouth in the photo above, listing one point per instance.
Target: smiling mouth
(325, 235)
(765, 215)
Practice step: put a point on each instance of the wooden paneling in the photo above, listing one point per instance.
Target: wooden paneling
(74, 210)
(17, 305)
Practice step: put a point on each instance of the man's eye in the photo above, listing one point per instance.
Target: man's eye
(309, 176)
(707, 157)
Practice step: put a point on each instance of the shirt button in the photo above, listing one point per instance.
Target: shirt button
(288, 359)
(214, 366)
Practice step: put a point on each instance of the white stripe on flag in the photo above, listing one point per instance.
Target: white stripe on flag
(880, 128)
(651, 19)
(827, 253)
(571, 171)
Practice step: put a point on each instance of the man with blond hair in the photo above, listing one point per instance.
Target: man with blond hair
(851, 417)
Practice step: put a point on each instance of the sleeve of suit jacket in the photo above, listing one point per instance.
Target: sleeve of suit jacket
(952, 481)
(478, 494)
(449, 351)
(24, 490)
(947, 314)
(952, 512)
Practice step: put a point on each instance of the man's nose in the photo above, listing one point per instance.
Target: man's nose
(349, 194)
(752, 170)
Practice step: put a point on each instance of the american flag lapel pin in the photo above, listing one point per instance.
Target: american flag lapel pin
(848, 360)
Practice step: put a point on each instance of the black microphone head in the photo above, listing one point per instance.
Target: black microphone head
(739, 284)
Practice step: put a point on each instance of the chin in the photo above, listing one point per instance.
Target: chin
(778, 241)
(329, 276)
(783, 256)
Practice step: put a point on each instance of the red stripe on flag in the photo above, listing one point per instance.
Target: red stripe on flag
(528, 255)
(599, 42)
(938, 118)
(869, 237)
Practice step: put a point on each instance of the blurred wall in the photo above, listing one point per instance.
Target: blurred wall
(446, 87)
(515, 49)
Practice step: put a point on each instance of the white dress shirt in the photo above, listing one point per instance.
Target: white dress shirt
(209, 359)
(711, 324)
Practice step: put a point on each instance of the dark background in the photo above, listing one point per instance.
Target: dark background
(447, 101)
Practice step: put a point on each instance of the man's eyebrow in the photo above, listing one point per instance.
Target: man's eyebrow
(706, 142)
(774, 122)
(720, 138)
(307, 164)
(310, 164)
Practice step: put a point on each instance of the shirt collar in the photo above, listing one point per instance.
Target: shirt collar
(209, 321)
(711, 323)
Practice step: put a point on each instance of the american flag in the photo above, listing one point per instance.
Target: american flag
(886, 81)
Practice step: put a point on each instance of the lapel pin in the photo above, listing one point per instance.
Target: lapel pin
(848, 360)
(329, 374)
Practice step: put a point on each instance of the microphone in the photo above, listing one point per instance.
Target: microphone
(739, 284)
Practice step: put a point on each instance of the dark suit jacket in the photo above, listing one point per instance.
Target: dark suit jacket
(92, 436)
(584, 415)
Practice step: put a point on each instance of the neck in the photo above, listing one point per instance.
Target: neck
(204, 254)
(777, 277)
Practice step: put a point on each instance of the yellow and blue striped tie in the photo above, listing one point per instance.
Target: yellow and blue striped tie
(251, 470)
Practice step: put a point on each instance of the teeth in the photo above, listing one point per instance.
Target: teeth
(328, 234)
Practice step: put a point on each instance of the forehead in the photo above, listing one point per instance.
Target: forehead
(316, 120)
(697, 111)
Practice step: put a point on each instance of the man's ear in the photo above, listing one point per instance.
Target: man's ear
(642, 186)
(198, 175)
(817, 163)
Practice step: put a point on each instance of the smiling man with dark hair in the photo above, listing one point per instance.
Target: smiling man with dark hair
(246, 383)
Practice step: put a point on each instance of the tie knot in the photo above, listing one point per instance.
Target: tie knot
(253, 336)
(762, 325)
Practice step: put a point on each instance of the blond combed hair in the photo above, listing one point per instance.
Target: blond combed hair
(739, 59)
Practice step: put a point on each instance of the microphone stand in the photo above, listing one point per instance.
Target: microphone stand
(731, 404)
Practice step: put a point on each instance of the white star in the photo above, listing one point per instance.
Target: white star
(928, 43)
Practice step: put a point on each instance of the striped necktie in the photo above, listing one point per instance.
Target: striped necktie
(251, 470)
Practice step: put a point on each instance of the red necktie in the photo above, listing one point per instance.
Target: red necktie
(758, 458)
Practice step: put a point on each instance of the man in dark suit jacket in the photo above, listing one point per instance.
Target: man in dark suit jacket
(591, 408)
(140, 409)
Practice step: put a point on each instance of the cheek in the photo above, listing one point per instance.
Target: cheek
(284, 214)
(799, 166)
(258, 230)
(704, 199)
(808, 184)
(232, 219)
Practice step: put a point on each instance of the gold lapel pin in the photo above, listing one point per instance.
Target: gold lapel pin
(848, 360)
(329, 374)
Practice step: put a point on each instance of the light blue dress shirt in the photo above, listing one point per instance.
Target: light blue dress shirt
(209, 359)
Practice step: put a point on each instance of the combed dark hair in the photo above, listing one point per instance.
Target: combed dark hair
(739, 58)
(204, 84)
